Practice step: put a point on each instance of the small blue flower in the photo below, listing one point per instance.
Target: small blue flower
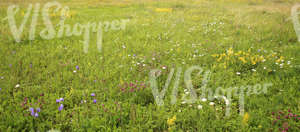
(93, 94)
(38, 110)
(95, 100)
(32, 111)
(77, 67)
(36, 115)
(59, 100)
(61, 107)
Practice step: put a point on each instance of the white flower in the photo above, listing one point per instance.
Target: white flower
(164, 67)
(253, 70)
(199, 107)
(144, 64)
(74, 71)
(238, 73)
(203, 99)
(211, 103)
(123, 46)
(289, 62)
(183, 102)
(265, 68)
(18, 85)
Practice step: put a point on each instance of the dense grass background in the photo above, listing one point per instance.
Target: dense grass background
(187, 33)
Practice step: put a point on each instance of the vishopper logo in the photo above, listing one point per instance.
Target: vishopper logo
(295, 18)
(65, 30)
(206, 93)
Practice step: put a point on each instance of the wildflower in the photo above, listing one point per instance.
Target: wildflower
(93, 94)
(171, 121)
(245, 118)
(18, 85)
(238, 73)
(74, 71)
(199, 107)
(211, 103)
(242, 59)
(203, 99)
(77, 67)
(61, 107)
(36, 115)
(59, 100)
(95, 100)
(253, 70)
(163, 9)
(230, 51)
(32, 111)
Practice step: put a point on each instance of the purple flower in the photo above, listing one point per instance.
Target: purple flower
(32, 111)
(60, 107)
(0, 89)
(36, 115)
(77, 67)
(38, 110)
(93, 94)
(95, 100)
(59, 100)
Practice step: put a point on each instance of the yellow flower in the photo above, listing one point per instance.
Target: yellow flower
(220, 58)
(163, 9)
(171, 121)
(280, 59)
(230, 51)
(242, 59)
(238, 53)
(253, 61)
(246, 118)
(215, 55)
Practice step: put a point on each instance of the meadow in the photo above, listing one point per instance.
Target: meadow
(59, 84)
